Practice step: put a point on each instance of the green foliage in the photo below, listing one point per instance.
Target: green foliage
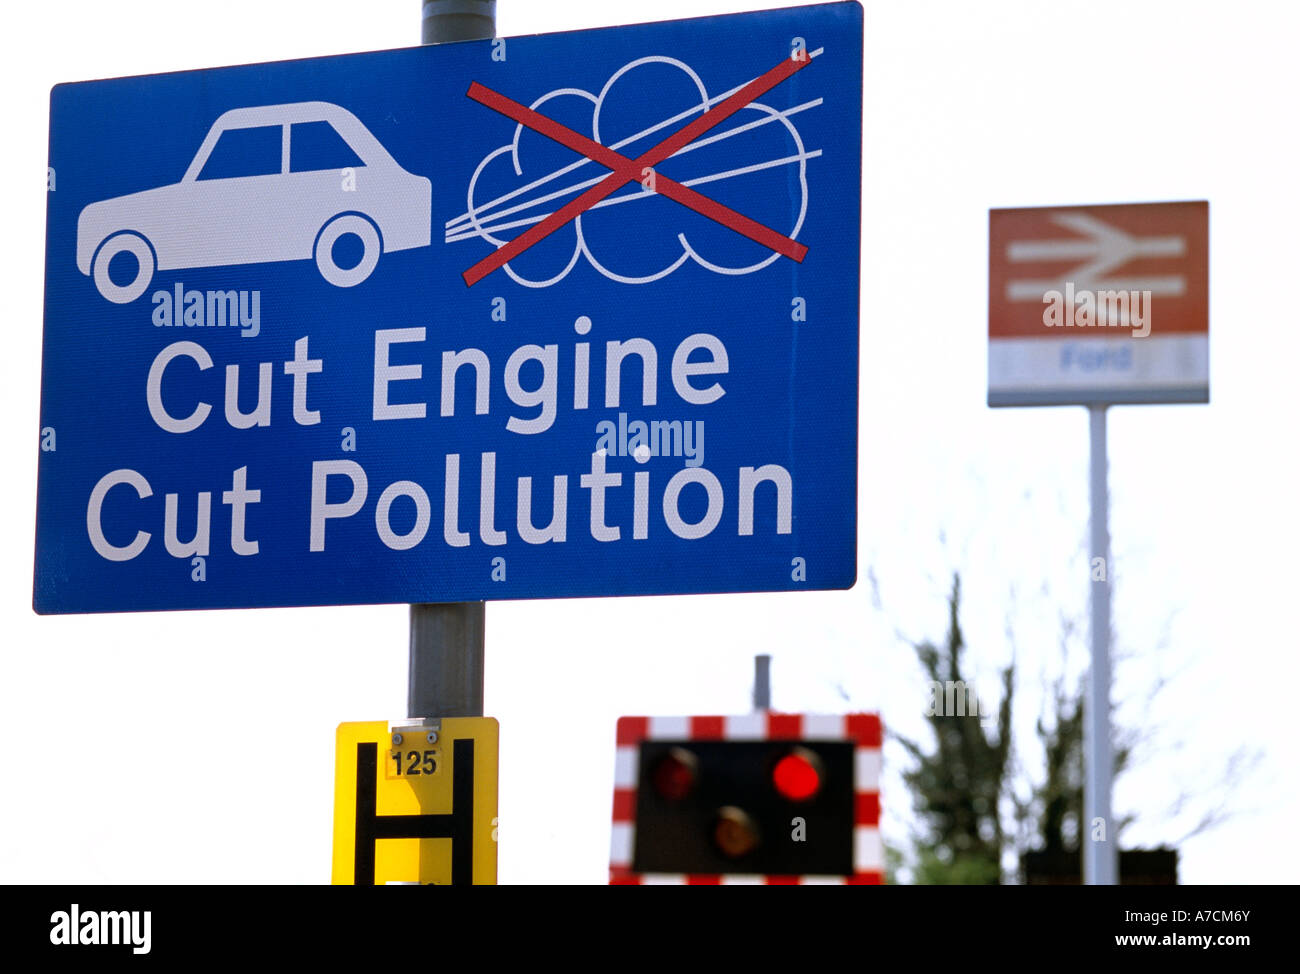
(968, 783)
(1056, 807)
(959, 786)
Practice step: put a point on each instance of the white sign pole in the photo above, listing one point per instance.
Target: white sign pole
(1100, 844)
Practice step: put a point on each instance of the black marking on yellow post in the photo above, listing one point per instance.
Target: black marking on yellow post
(457, 825)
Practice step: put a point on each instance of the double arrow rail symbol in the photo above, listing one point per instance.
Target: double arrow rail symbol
(1102, 248)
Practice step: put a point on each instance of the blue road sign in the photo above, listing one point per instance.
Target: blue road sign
(562, 315)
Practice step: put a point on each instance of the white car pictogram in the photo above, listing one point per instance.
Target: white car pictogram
(285, 211)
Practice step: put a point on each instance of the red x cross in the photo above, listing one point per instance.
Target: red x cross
(627, 170)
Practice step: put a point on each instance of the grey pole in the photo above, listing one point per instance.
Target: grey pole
(762, 682)
(458, 20)
(446, 656)
(1100, 857)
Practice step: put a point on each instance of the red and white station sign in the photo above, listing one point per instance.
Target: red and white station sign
(1099, 304)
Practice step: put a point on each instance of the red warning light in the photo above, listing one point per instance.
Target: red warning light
(797, 777)
(674, 775)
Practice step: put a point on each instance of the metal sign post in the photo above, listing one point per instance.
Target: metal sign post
(1101, 850)
(762, 682)
(445, 676)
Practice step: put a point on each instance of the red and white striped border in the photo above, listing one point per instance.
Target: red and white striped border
(863, 729)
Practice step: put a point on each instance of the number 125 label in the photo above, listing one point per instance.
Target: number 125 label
(415, 762)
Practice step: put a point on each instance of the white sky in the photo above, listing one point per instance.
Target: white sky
(197, 747)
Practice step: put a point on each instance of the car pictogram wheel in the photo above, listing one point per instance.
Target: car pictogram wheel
(120, 243)
(336, 229)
